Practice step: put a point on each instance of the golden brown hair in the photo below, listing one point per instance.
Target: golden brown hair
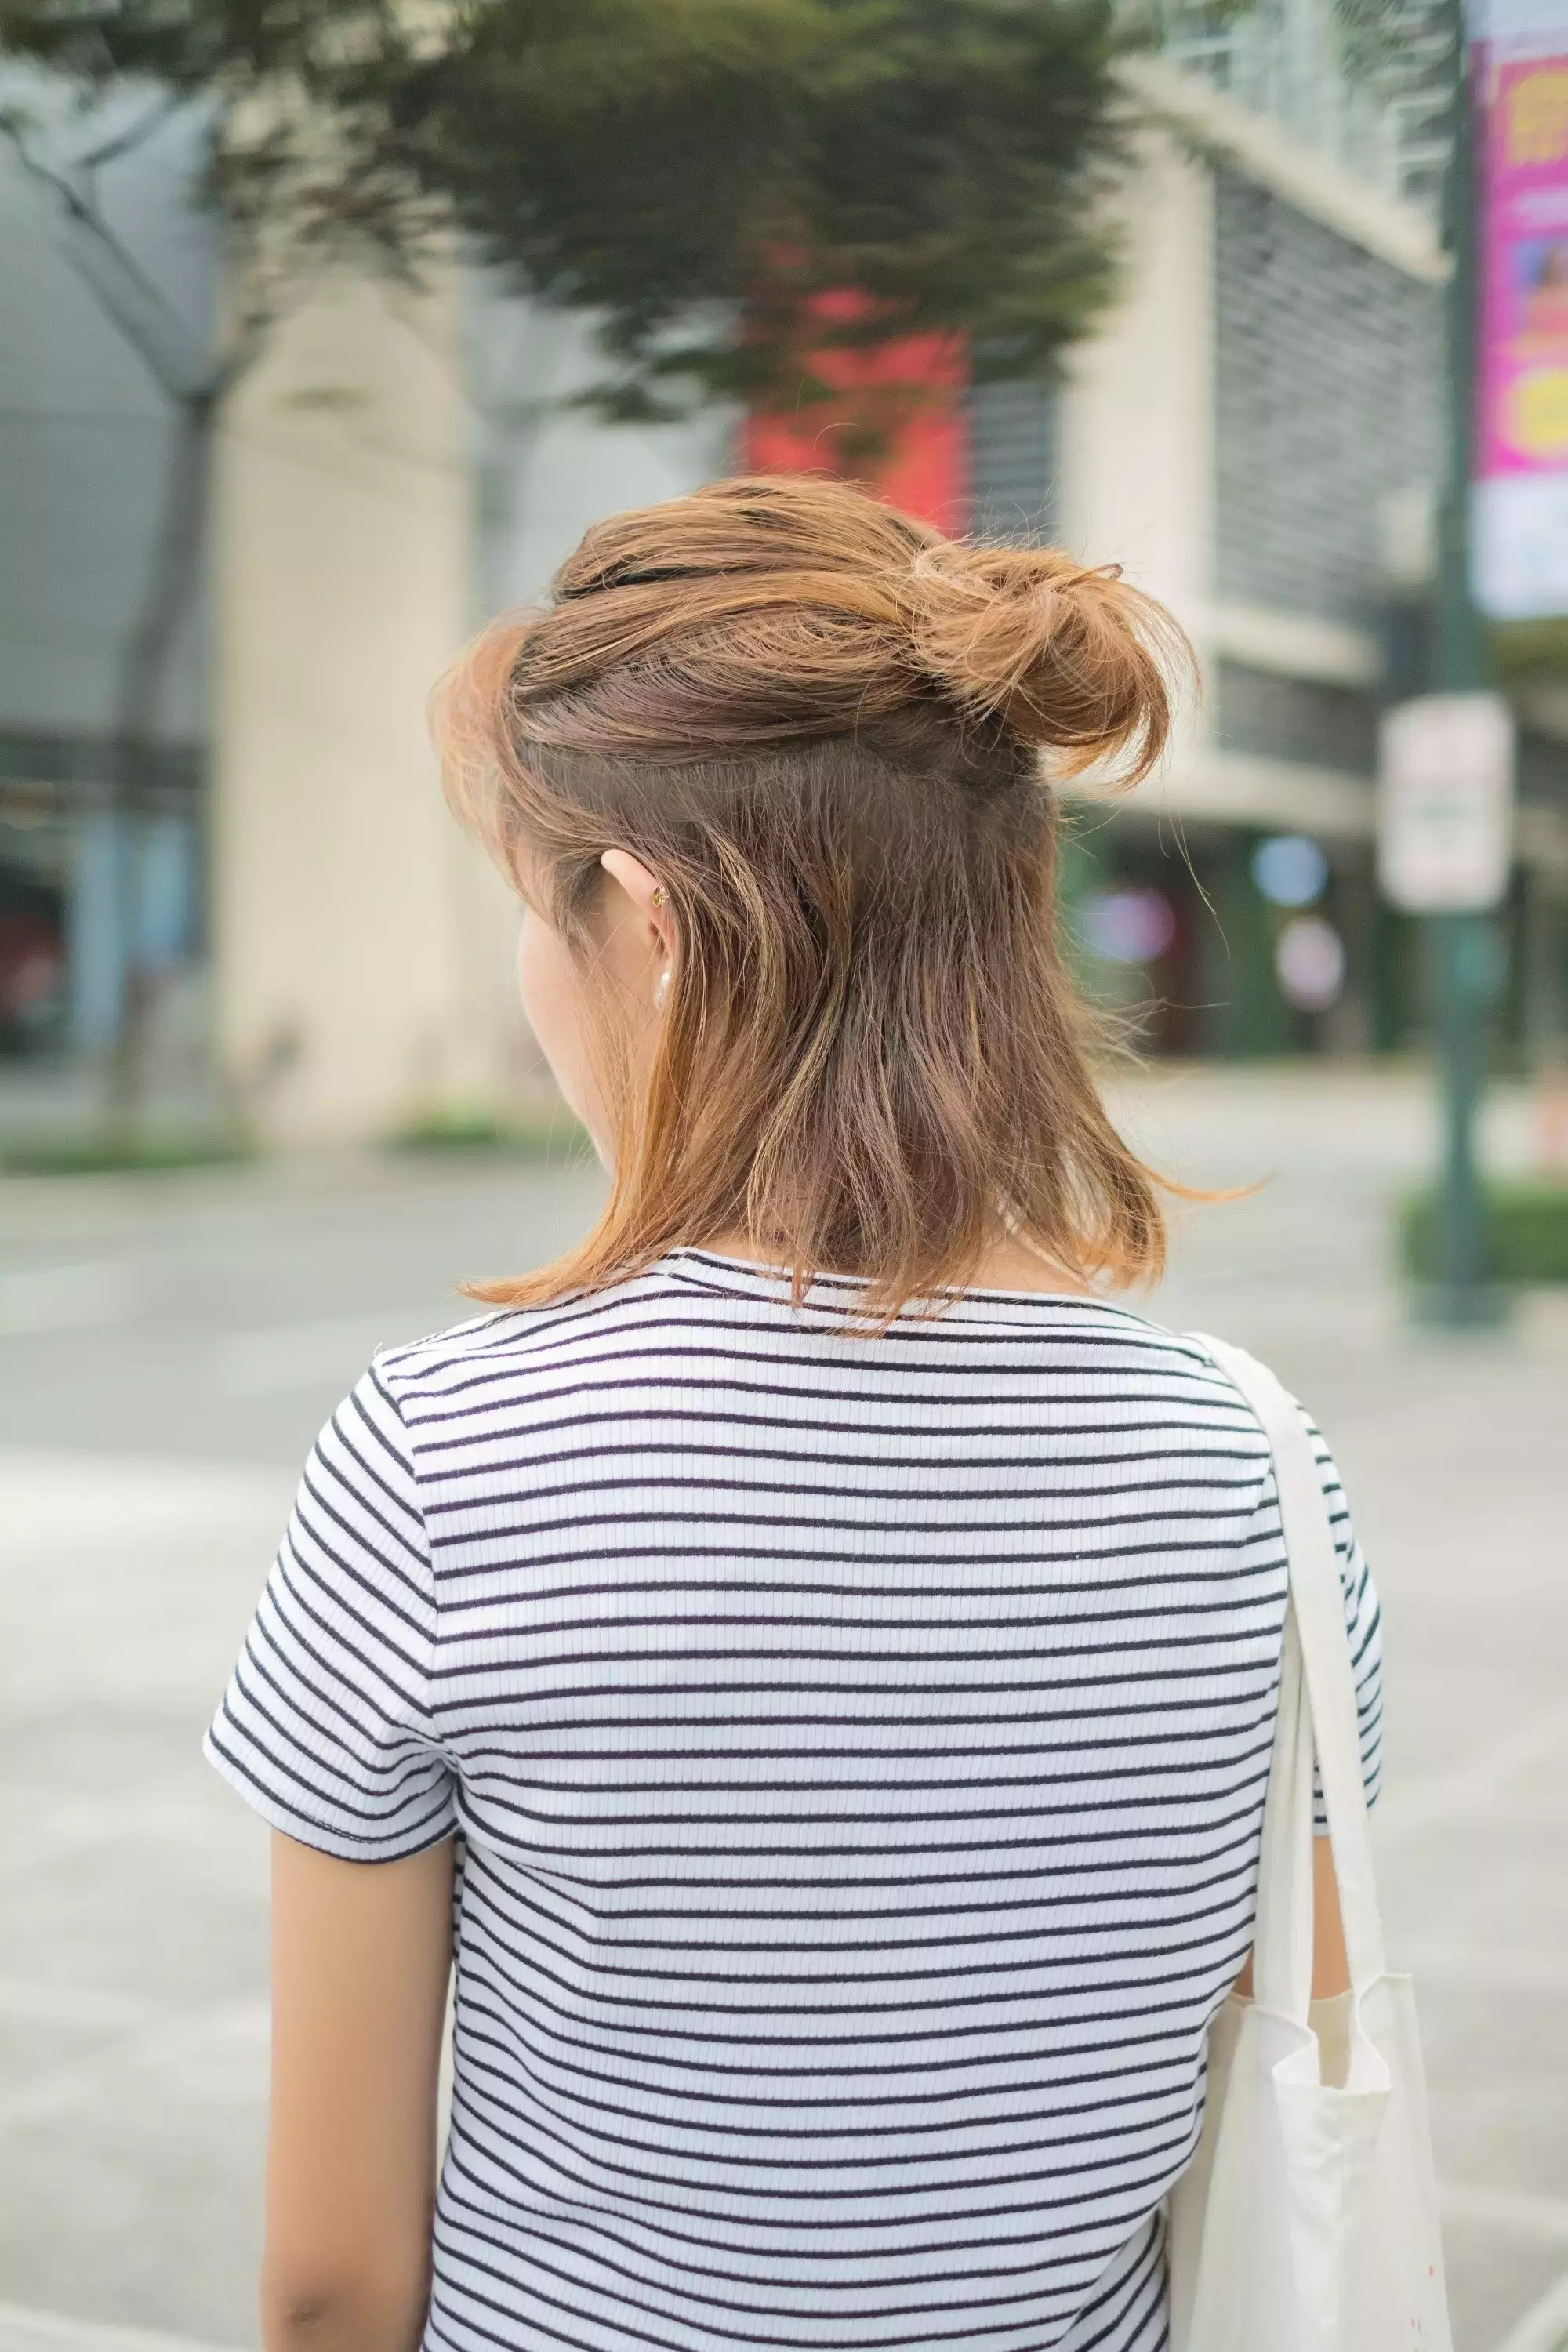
(834, 736)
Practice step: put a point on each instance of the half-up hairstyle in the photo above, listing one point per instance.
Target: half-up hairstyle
(835, 737)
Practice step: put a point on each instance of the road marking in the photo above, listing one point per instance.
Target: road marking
(43, 1298)
(63, 2087)
(1544, 2326)
(84, 2007)
(26, 2330)
(1521, 2212)
(1469, 1968)
(76, 1503)
(282, 1356)
(1474, 1786)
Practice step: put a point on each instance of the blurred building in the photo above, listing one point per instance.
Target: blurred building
(85, 436)
(1277, 364)
(1254, 435)
(1236, 911)
(1257, 438)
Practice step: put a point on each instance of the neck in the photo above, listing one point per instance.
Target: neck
(1009, 1263)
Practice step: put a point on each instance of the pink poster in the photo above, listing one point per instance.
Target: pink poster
(1520, 515)
(1524, 324)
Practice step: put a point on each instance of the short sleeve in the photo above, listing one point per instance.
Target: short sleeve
(1363, 1627)
(326, 1726)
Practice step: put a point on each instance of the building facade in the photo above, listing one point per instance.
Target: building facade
(1253, 435)
(86, 434)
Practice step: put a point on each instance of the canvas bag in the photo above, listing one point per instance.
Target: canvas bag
(1308, 2220)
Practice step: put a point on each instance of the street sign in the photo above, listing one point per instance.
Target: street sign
(1445, 803)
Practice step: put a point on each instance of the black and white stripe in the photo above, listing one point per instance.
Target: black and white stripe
(857, 1747)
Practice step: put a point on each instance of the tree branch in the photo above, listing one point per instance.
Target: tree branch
(136, 134)
(118, 282)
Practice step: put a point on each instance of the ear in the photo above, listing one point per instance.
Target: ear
(646, 895)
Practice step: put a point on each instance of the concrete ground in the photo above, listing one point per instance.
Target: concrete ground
(168, 1348)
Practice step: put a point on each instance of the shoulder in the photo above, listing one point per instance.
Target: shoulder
(1257, 1388)
(516, 1352)
(1187, 1364)
(1238, 1378)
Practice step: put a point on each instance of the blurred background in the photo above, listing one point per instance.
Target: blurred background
(324, 333)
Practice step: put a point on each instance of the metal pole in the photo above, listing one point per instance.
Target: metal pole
(1461, 959)
(1464, 949)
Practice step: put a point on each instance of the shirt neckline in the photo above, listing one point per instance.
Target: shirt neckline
(775, 1281)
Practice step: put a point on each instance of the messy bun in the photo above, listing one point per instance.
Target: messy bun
(1060, 656)
(760, 610)
(830, 732)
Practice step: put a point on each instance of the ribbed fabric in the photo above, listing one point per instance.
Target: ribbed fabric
(857, 1748)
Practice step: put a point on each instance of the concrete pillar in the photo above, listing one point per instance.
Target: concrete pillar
(361, 948)
(1138, 408)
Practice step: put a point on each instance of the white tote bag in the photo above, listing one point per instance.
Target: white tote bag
(1308, 2220)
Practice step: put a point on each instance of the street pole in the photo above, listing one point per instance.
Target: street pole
(1465, 952)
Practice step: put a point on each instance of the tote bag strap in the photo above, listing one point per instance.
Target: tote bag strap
(1316, 1608)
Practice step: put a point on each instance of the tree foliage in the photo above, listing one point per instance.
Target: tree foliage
(300, 169)
(700, 175)
(695, 173)
(698, 171)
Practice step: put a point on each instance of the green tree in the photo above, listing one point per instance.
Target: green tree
(697, 175)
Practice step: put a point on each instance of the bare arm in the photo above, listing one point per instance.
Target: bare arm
(1331, 1968)
(361, 1956)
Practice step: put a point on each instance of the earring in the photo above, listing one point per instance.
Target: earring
(657, 899)
(661, 991)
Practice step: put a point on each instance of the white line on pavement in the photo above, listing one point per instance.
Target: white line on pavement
(52, 1502)
(23, 2330)
(1474, 1785)
(1520, 2212)
(282, 1356)
(86, 2008)
(1544, 2326)
(64, 2088)
(1471, 1967)
(37, 1299)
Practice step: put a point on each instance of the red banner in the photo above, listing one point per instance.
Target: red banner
(894, 419)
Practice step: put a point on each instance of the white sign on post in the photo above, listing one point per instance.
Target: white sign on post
(1445, 803)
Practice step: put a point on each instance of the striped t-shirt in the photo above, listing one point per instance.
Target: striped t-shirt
(857, 1750)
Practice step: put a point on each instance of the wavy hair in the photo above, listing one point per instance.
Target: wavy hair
(835, 736)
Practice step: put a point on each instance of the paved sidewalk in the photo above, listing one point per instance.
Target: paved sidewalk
(167, 1350)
